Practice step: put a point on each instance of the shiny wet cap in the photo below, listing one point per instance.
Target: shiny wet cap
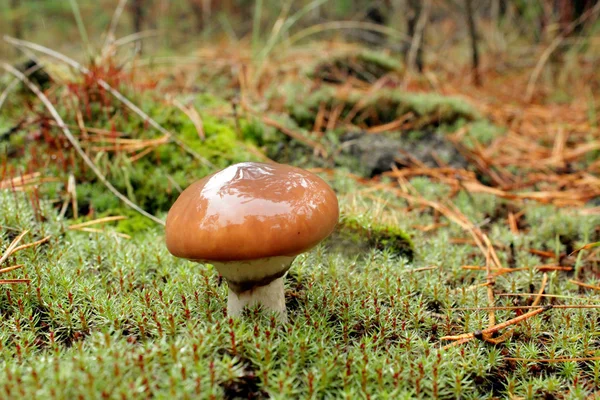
(250, 211)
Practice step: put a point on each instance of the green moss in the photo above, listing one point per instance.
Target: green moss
(365, 65)
(109, 315)
(256, 132)
(382, 60)
(133, 225)
(387, 106)
(282, 148)
(356, 230)
(221, 146)
(91, 195)
(483, 132)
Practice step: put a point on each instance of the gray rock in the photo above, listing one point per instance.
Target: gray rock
(377, 153)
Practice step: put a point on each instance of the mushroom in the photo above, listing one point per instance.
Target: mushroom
(250, 221)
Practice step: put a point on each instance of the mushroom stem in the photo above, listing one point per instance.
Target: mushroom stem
(270, 296)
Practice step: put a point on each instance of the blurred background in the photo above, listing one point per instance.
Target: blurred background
(502, 33)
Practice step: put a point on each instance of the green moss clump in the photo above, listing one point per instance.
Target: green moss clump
(282, 148)
(386, 106)
(134, 224)
(221, 145)
(366, 65)
(98, 309)
(382, 60)
(259, 134)
(376, 235)
(483, 132)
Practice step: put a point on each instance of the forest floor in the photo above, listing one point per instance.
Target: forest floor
(464, 265)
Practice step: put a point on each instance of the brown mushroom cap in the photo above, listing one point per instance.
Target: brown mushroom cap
(250, 211)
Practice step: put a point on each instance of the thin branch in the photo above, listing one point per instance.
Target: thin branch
(13, 84)
(586, 247)
(27, 245)
(13, 281)
(558, 296)
(95, 230)
(502, 338)
(498, 327)
(490, 280)
(110, 34)
(410, 271)
(457, 343)
(538, 298)
(135, 37)
(9, 250)
(585, 285)
(566, 306)
(553, 360)
(98, 221)
(11, 268)
(339, 25)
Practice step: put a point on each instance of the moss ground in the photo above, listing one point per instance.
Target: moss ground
(123, 318)
(110, 313)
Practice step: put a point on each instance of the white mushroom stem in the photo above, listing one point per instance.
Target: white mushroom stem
(270, 296)
(253, 282)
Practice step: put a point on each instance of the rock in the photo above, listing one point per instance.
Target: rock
(377, 153)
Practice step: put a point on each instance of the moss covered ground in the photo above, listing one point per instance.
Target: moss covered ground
(120, 317)
(104, 311)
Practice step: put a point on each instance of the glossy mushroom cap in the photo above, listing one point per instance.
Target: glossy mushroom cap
(251, 211)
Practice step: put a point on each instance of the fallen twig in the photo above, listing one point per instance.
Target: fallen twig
(585, 285)
(98, 221)
(25, 246)
(552, 360)
(498, 327)
(317, 147)
(11, 268)
(13, 281)
(11, 247)
(574, 306)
